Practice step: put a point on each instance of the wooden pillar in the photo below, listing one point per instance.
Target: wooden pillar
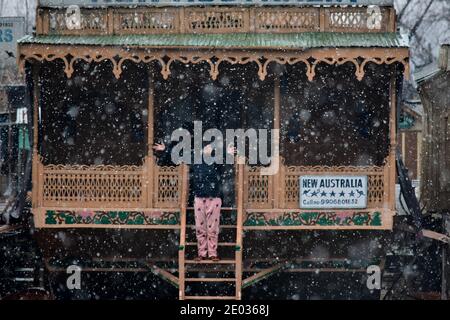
(277, 178)
(151, 111)
(445, 261)
(182, 246)
(393, 141)
(36, 165)
(239, 228)
(150, 163)
(419, 155)
(403, 137)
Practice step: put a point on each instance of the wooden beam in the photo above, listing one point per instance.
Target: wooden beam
(239, 229)
(276, 192)
(182, 248)
(9, 228)
(263, 274)
(436, 236)
(213, 56)
(419, 155)
(150, 164)
(36, 184)
(165, 275)
(151, 112)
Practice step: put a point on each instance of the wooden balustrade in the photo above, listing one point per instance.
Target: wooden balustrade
(260, 192)
(151, 188)
(130, 187)
(123, 21)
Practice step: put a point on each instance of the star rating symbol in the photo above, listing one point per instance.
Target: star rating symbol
(351, 194)
(332, 194)
(342, 194)
(314, 194)
(323, 194)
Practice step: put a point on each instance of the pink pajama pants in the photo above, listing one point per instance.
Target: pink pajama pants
(207, 220)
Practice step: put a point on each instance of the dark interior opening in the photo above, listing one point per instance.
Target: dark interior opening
(335, 120)
(93, 118)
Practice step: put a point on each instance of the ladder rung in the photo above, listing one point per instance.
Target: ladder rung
(210, 262)
(226, 226)
(210, 280)
(220, 244)
(210, 298)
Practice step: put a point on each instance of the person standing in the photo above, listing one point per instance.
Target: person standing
(207, 189)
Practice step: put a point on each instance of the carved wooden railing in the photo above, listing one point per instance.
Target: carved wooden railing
(131, 187)
(282, 191)
(120, 21)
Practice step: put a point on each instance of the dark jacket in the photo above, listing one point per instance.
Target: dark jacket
(205, 180)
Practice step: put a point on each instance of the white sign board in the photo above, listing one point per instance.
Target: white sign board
(333, 192)
(99, 3)
(11, 30)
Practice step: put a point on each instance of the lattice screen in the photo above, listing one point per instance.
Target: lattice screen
(146, 21)
(287, 20)
(92, 21)
(95, 186)
(216, 20)
(167, 187)
(259, 188)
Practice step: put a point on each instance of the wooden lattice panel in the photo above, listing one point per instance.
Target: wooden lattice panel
(146, 21)
(376, 190)
(216, 20)
(92, 186)
(287, 20)
(212, 19)
(258, 189)
(357, 20)
(91, 22)
(376, 187)
(167, 187)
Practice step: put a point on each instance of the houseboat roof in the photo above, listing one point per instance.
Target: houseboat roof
(236, 40)
(426, 72)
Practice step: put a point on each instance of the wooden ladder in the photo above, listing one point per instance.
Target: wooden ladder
(209, 266)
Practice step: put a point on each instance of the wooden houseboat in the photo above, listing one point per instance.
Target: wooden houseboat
(120, 76)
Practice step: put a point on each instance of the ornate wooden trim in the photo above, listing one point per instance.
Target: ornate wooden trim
(370, 219)
(259, 191)
(359, 57)
(214, 19)
(71, 218)
(74, 186)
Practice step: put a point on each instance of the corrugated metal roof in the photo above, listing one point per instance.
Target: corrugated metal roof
(426, 72)
(236, 40)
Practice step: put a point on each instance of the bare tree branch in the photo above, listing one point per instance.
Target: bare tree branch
(420, 20)
(402, 12)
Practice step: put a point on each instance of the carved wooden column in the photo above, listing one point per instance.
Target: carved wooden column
(391, 163)
(150, 161)
(277, 178)
(183, 211)
(35, 168)
(239, 226)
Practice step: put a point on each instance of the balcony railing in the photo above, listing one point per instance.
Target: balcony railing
(103, 187)
(265, 201)
(124, 21)
(283, 191)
